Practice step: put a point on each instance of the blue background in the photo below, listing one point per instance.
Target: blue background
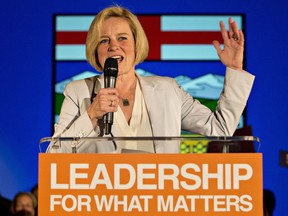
(26, 82)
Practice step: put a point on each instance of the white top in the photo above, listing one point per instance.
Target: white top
(139, 125)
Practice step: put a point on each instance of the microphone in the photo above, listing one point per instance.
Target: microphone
(110, 75)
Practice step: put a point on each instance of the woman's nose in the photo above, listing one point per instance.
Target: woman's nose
(113, 45)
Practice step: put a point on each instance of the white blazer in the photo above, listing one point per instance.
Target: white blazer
(170, 110)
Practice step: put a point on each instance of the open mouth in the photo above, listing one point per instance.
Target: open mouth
(118, 57)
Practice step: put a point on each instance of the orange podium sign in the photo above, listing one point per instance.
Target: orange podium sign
(154, 184)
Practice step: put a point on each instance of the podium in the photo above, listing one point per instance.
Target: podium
(138, 183)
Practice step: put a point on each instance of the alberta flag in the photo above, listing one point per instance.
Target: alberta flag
(171, 37)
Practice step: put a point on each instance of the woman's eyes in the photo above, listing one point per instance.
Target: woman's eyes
(122, 38)
(105, 41)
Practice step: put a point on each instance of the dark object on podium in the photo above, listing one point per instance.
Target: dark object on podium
(234, 147)
(284, 158)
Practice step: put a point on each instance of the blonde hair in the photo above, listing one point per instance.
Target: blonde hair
(93, 36)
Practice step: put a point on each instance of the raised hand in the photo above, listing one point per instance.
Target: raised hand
(232, 53)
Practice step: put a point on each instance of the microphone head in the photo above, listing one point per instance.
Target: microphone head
(111, 67)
